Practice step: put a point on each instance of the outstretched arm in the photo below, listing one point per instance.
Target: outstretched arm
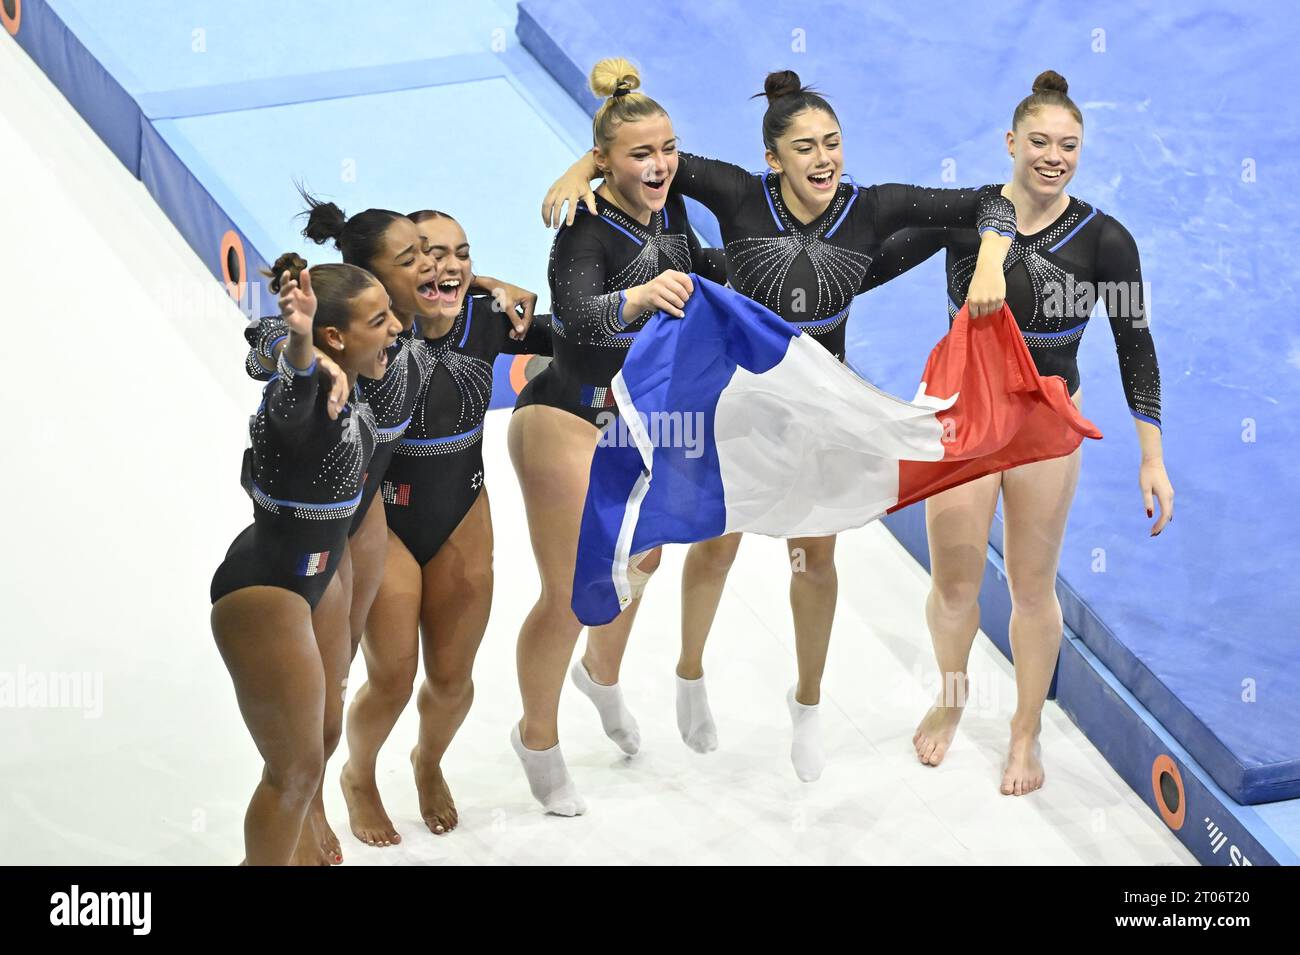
(895, 207)
(1119, 273)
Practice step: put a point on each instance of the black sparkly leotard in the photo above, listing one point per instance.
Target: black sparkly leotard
(808, 273)
(436, 472)
(592, 262)
(305, 481)
(1054, 278)
(391, 398)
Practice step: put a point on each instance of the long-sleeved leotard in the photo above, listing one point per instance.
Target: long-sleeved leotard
(305, 480)
(592, 263)
(391, 398)
(1054, 278)
(808, 273)
(436, 470)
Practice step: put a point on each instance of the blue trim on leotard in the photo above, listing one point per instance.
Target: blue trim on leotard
(395, 429)
(815, 327)
(469, 317)
(1147, 418)
(1068, 331)
(610, 222)
(852, 200)
(435, 442)
(767, 194)
(337, 505)
(1070, 235)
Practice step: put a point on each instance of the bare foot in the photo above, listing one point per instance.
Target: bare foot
(1024, 772)
(329, 843)
(436, 805)
(935, 733)
(366, 815)
(310, 849)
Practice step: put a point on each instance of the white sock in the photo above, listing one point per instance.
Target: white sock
(806, 750)
(694, 718)
(548, 777)
(618, 722)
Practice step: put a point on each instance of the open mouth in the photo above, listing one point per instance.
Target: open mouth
(383, 358)
(1049, 175)
(654, 185)
(445, 291)
(448, 290)
(822, 180)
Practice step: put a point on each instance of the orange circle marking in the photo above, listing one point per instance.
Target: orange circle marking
(1165, 765)
(517, 372)
(231, 243)
(12, 23)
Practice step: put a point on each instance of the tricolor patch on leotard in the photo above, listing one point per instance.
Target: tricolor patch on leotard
(313, 564)
(594, 396)
(396, 493)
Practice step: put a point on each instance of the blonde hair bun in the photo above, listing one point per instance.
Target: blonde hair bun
(613, 74)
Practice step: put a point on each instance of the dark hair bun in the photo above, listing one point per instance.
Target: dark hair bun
(325, 220)
(781, 83)
(1050, 81)
(290, 262)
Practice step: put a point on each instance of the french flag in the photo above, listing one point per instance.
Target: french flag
(733, 420)
(312, 564)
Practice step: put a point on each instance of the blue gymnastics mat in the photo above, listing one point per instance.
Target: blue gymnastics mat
(219, 107)
(1190, 143)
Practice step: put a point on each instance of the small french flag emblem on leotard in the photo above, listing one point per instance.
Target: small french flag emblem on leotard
(396, 493)
(313, 564)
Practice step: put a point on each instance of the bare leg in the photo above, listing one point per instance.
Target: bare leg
(453, 619)
(607, 644)
(596, 674)
(369, 547)
(814, 589)
(391, 647)
(704, 575)
(551, 451)
(265, 637)
(1037, 499)
(330, 623)
(957, 524)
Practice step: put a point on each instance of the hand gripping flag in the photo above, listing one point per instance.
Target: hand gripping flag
(733, 420)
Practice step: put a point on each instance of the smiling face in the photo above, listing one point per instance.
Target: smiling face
(447, 247)
(404, 268)
(810, 157)
(1045, 146)
(639, 164)
(361, 347)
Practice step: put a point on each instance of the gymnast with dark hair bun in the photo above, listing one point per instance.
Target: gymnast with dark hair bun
(400, 254)
(436, 592)
(800, 238)
(280, 598)
(1067, 256)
